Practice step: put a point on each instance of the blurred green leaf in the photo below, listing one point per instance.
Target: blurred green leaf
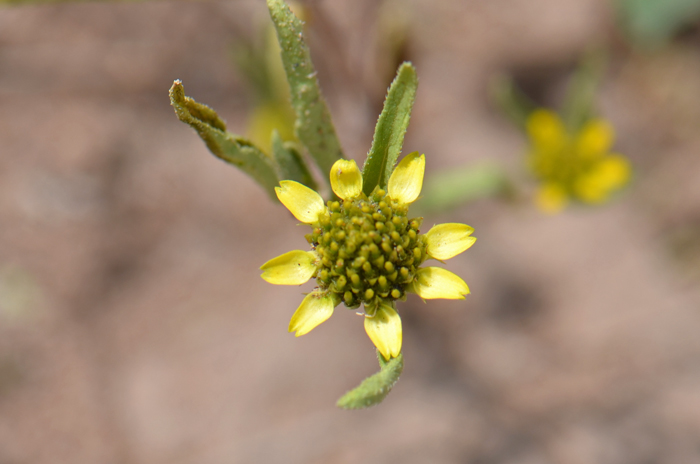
(374, 389)
(260, 63)
(390, 129)
(652, 23)
(511, 100)
(290, 162)
(580, 99)
(224, 145)
(313, 127)
(449, 189)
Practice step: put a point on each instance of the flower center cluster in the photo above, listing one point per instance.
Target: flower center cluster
(369, 250)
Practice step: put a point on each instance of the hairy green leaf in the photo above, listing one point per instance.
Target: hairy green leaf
(374, 389)
(224, 145)
(313, 126)
(390, 129)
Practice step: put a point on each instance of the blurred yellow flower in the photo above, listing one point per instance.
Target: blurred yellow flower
(573, 166)
(267, 117)
(365, 250)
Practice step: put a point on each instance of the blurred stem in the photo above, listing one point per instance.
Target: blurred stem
(450, 189)
(511, 100)
(580, 97)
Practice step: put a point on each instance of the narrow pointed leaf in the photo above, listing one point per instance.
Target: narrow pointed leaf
(374, 389)
(224, 145)
(390, 129)
(291, 165)
(313, 126)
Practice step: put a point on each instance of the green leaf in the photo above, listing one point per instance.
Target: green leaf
(390, 129)
(290, 162)
(313, 126)
(224, 145)
(374, 389)
(449, 189)
(652, 23)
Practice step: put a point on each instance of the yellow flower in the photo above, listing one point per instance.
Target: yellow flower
(366, 251)
(269, 116)
(573, 166)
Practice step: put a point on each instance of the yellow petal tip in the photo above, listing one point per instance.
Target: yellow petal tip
(346, 179)
(314, 309)
(406, 181)
(445, 241)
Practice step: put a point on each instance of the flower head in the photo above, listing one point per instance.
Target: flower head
(365, 250)
(573, 166)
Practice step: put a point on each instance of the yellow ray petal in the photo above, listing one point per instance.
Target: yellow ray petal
(384, 329)
(346, 179)
(313, 310)
(406, 181)
(304, 203)
(546, 130)
(435, 282)
(292, 268)
(551, 198)
(595, 139)
(615, 171)
(268, 117)
(610, 173)
(588, 190)
(448, 240)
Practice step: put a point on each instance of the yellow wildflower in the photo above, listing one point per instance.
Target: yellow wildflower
(269, 116)
(366, 251)
(573, 166)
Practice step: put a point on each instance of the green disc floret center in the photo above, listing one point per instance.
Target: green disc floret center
(369, 251)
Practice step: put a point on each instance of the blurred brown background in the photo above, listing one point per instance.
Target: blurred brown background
(134, 327)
